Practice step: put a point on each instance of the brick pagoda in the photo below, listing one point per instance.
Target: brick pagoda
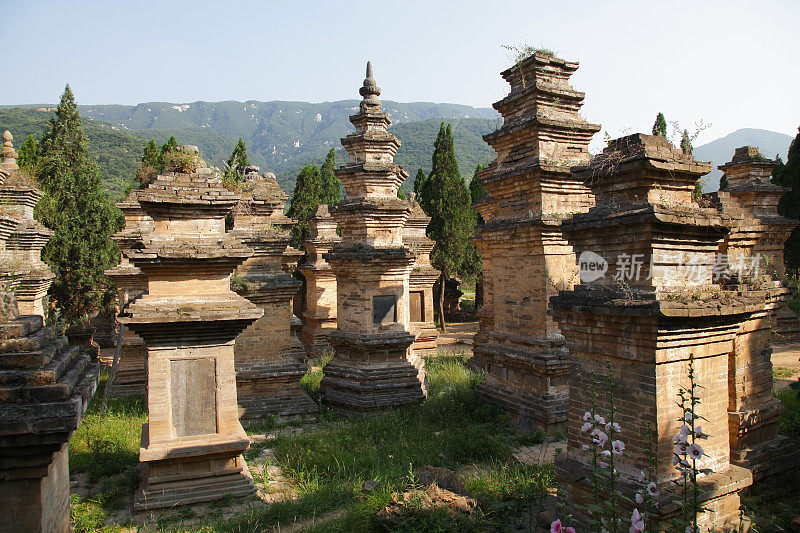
(421, 280)
(371, 368)
(319, 317)
(525, 257)
(45, 385)
(655, 306)
(130, 376)
(753, 253)
(267, 370)
(192, 446)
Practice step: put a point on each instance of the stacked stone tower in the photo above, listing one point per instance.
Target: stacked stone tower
(421, 280)
(130, 375)
(371, 369)
(656, 306)
(525, 257)
(319, 317)
(267, 370)
(753, 253)
(45, 385)
(192, 446)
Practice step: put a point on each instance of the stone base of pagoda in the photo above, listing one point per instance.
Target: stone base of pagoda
(272, 389)
(787, 325)
(314, 334)
(720, 496)
(371, 372)
(37, 501)
(131, 375)
(528, 381)
(192, 470)
(427, 335)
(768, 459)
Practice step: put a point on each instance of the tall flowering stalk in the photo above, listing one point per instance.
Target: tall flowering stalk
(688, 452)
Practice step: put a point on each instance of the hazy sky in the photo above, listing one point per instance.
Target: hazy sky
(731, 64)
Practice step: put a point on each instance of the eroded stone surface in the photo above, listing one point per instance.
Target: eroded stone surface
(373, 367)
(525, 256)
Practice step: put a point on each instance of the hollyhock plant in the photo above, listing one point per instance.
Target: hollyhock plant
(618, 447)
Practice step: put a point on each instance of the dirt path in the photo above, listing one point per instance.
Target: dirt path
(458, 338)
(785, 358)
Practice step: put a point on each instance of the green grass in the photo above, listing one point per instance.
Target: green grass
(106, 449)
(313, 378)
(772, 505)
(781, 372)
(789, 424)
(794, 305)
(328, 464)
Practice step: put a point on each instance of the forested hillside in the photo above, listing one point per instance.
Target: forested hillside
(281, 136)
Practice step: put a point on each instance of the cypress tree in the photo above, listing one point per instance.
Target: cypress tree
(150, 165)
(236, 162)
(28, 156)
(476, 191)
(419, 180)
(660, 126)
(789, 205)
(446, 199)
(686, 143)
(723, 182)
(330, 186)
(169, 146)
(78, 211)
(305, 199)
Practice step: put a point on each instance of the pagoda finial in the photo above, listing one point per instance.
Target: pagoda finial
(8, 152)
(370, 90)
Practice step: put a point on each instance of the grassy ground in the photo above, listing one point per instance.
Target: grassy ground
(104, 454)
(328, 463)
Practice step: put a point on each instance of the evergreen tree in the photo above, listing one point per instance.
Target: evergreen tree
(236, 163)
(78, 211)
(476, 191)
(150, 166)
(331, 187)
(777, 172)
(686, 143)
(660, 126)
(723, 182)
(305, 199)
(419, 180)
(28, 156)
(169, 146)
(401, 194)
(789, 205)
(446, 199)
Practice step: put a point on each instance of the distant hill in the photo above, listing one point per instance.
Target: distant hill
(117, 152)
(281, 136)
(720, 151)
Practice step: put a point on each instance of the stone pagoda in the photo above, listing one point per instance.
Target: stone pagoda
(753, 253)
(319, 316)
(45, 385)
(192, 446)
(653, 305)
(267, 370)
(372, 368)
(130, 375)
(421, 280)
(526, 260)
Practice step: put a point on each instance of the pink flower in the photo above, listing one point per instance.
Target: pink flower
(586, 427)
(642, 476)
(695, 451)
(637, 522)
(618, 446)
(603, 465)
(555, 527)
(599, 419)
(599, 437)
(587, 416)
(615, 426)
(569, 529)
(653, 490)
(686, 430)
(585, 447)
(681, 448)
(639, 497)
(687, 416)
(676, 460)
(606, 453)
(698, 433)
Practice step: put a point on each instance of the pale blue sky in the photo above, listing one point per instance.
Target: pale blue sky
(732, 64)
